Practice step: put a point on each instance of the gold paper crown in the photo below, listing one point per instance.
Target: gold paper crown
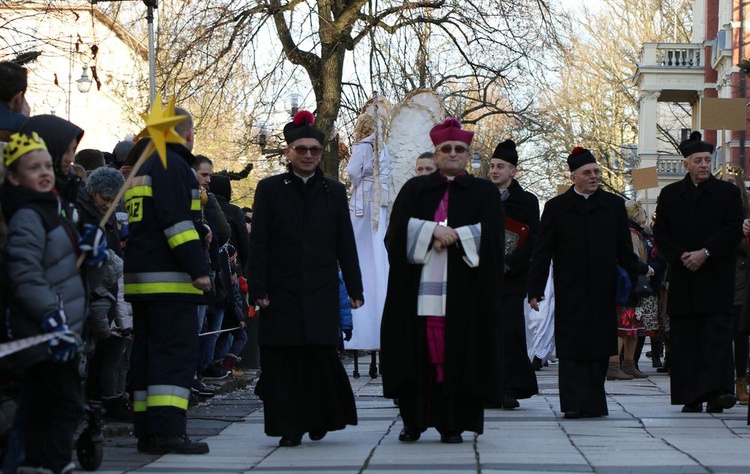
(21, 144)
(733, 170)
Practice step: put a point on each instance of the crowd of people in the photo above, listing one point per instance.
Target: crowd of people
(150, 293)
(111, 283)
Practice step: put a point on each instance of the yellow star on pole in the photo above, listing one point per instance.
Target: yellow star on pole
(160, 124)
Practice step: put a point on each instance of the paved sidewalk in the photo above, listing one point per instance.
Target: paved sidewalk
(643, 434)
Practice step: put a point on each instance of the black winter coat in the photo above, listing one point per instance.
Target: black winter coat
(692, 217)
(523, 207)
(301, 234)
(586, 239)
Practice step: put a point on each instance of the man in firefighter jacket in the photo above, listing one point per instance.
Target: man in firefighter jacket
(166, 273)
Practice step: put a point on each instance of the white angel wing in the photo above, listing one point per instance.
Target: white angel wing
(409, 133)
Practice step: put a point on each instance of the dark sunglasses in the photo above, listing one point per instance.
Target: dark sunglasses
(302, 150)
(448, 148)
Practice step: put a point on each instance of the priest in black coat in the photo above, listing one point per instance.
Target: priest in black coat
(521, 227)
(301, 235)
(698, 225)
(438, 334)
(585, 233)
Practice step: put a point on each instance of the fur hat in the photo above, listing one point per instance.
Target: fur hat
(695, 144)
(301, 126)
(579, 157)
(450, 130)
(506, 151)
(105, 181)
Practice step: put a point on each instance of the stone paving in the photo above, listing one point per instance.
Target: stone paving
(643, 434)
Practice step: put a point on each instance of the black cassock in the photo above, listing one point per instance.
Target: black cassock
(523, 208)
(301, 234)
(586, 239)
(472, 371)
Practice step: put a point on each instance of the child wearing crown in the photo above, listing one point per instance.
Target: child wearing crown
(46, 295)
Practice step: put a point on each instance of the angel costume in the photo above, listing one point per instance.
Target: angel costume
(368, 208)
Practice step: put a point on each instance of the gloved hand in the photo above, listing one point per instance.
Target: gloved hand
(94, 244)
(347, 335)
(64, 346)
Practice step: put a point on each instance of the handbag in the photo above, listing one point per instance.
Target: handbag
(642, 287)
(622, 286)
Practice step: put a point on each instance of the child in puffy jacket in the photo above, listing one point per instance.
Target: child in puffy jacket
(48, 298)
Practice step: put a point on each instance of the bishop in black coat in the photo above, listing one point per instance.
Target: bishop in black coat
(446, 384)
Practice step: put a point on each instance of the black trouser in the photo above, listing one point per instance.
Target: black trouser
(165, 353)
(54, 400)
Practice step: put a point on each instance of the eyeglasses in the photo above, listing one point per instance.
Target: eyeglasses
(302, 150)
(447, 148)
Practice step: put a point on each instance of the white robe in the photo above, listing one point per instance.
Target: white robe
(540, 325)
(369, 232)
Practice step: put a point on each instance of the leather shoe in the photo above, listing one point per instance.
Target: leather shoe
(289, 441)
(536, 364)
(318, 435)
(409, 434)
(509, 403)
(725, 400)
(451, 438)
(693, 408)
(179, 444)
(572, 415)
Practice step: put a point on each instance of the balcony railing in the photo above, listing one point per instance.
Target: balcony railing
(672, 55)
(670, 166)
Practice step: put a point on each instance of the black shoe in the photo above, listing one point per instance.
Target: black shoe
(214, 373)
(536, 363)
(142, 445)
(572, 415)
(510, 403)
(656, 362)
(692, 408)
(289, 441)
(409, 434)
(451, 438)
(200, 388)
(179, 444)
(723, 401)
(317, 435)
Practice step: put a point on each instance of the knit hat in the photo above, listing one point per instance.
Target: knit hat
(21, 144)
(506, 151)
(450, 130)
(579, 157)
(301, 126)
(105, 181)
(694, 144)
(121, 150)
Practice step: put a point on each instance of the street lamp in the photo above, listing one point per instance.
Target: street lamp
(84, 83)
(476, 162)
